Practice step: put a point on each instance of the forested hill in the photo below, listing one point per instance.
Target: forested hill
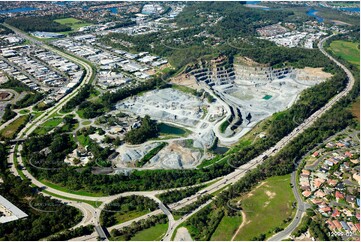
(32, 23)
(236, 19)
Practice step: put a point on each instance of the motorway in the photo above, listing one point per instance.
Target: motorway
(301, 205)
(92, 214)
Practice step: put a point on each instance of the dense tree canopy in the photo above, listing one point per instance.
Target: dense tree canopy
(32, 23)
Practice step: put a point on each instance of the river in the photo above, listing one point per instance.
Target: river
(17, 10)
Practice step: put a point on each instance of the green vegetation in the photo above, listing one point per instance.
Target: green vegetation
(73, 23)
(202, 225)
(8, 113)
(126, 208)
(154, 233)
(224, 126)
(29, 99)
(146, 229)
(10, 130)
(82, 95)
(4, 30)
(87, 122)
(72, 233)
(148, 129)
(38, 224)
(235, 34)
(185, 89)
(178, 194)
(47, 126)
(64, 189)
(24, 111)
(350, 51)
(32, 23)
(83, 140)
(206, 163)
(226, 228)
(268, 206)
(302, 227)
(88, 109)
(150, 154)
(355, 109)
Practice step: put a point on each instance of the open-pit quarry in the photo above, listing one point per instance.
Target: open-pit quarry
(244, 92)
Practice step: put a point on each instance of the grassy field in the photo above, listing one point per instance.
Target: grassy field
(129, 215)
(226, 228)
(63, 189)
(74, 23)
(86, 122)
(83, 140)
(184, 89)
(48, 126)
(24, 111)
(266, 207)
(347, 50)
(10, 130)
(154, 233)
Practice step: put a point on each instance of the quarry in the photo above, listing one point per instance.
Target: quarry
(244, 93)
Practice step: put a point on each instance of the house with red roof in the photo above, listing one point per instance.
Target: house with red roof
(340, 145)
(337, 224)
(335, 213)
(331, 182)
(331, 225)
(306, 193)
(316, 201)
(315, 154)
(318, 182)
(319, 193)
(325, 209)
(339, 195)
(348, 154)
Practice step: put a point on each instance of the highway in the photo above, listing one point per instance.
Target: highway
(92, 214)
(302, 206)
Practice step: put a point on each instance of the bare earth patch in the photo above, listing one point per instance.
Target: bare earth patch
(311, 73)
(244, 222)
(270, 194)
(186, 80)
(183, 235)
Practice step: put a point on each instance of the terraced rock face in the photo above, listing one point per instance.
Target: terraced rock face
(254, 90)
